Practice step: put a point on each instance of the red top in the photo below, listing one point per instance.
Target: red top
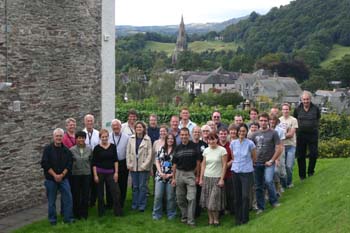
(68, 141)
(228, 173)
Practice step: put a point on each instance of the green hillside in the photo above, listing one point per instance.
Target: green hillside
(197, 46)
(318, 204)
(337, 53)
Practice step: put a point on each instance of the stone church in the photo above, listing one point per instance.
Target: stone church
(181, 42)
(56, 61)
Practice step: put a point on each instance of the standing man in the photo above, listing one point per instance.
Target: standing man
(268, 148)
(153, 129)
(185, 120)
(92, 140)
(238, 120)
(57, 164)
(120, 140)
(174, 128)
(129, 126)
(289, 124)
(185, 166)
(253, 116)
(69, 136)
(216, 117)
(308, 116)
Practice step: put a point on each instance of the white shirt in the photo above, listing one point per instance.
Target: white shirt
(92, 139)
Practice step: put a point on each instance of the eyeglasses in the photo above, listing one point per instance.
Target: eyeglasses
(216, 116)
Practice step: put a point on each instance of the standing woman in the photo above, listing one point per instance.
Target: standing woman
(139, 162)
(105, 170)
(244, 156)
(81, 176)
(163, 178)
(212, 179)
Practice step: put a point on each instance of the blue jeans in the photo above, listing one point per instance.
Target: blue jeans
(160, 188)
(264, 177)
(139, 190)
(51, 193)
(290, 156)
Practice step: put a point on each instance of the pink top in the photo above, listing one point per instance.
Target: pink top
(68, 141)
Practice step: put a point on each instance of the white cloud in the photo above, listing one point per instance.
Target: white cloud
(165, 12)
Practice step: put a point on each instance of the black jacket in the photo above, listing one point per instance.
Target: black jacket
(307, 121)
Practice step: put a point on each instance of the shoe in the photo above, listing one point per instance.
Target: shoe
(259, 211)
(53, 223)
(192, 225)
(282, 190)
(276, 205)
(310, 174)
(290, 186)
(216, 224)
(184, 220)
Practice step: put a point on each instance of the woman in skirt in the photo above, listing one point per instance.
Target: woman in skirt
(212, 179)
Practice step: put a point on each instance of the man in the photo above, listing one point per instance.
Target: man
(69, 136)
(57, 164)
(308, 116)
(185, 120)
(238, 120)
(185, 163)
(120, 140)
(274, 110)
(153, 129)
(289, 124)
(253, 116)
(268, 148)
(216, 117)
(129, 126)
(174, 128)
(93, 138)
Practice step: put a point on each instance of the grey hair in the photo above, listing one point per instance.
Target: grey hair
(306, 93)
(116, 121)
(58, 130)
(89, 115)
(206, 127)
(70, 119)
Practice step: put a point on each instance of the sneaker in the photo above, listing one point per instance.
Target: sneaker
(276, 205)
(259, 211)
(184, 220)
(282, 190)
(290, 186)
(192, 225)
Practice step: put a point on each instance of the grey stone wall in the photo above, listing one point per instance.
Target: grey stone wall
(55, 65)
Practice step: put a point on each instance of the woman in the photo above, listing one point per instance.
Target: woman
(105, 170)
(212, 179)
(244, 156)
(212, 126)
(81, 176)
(139, 162)
(163, 179)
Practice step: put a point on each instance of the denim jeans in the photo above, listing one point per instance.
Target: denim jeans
(51, 192)
(160, 188)
(139, 190)
(290, 156)
(264, 177)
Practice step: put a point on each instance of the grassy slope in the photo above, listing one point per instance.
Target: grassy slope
(197, 46)
(336, 53)
(319, 204)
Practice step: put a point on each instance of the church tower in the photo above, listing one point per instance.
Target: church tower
(181, 42)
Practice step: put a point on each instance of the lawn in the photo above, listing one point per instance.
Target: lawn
(197, 46)
(319, 204)
(337, 53)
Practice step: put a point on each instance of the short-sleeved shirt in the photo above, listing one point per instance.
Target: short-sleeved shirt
(213, 161)
(242, 155)
(265, 142)
(166, 163)
(286, 125)
(186, 156)
(201, 147)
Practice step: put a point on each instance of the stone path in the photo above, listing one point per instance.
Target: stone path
(22, 218)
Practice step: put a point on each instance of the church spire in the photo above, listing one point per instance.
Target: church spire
(181, 42)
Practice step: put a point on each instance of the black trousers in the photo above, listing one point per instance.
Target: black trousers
(242, 183)
(230, 195)
(114, 191)
(123, 174)
(307, 141)
(80, 186)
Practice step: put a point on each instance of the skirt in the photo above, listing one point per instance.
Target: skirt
(212, 196)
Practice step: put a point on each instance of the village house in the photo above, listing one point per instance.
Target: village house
(336, 100)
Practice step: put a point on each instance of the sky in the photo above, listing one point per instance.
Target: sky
(168, 12)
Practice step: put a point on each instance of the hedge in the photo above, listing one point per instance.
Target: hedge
(334, 148)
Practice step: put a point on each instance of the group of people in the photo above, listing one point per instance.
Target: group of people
(223, 169)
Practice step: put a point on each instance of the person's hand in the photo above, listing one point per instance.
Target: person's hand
(115, 177)
(96, 179)
(200, 182)
(173, 182)
(277, 163)
(268, 163)
(197, 180)
(221, 183)
(58, 178)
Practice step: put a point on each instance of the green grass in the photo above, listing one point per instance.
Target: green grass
(319, 204)
(197, 46)
(337, 53)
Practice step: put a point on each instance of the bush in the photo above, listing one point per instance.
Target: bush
(334, 148)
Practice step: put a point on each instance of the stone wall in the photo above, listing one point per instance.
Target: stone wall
(54, 64)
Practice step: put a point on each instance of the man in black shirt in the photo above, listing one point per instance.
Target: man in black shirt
(308, 116)
(185, 164)
(57, 164)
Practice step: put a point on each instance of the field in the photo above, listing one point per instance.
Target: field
(318, 204)
(336, 53)
(197, 46)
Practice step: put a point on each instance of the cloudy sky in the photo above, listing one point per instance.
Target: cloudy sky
(168, 12)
